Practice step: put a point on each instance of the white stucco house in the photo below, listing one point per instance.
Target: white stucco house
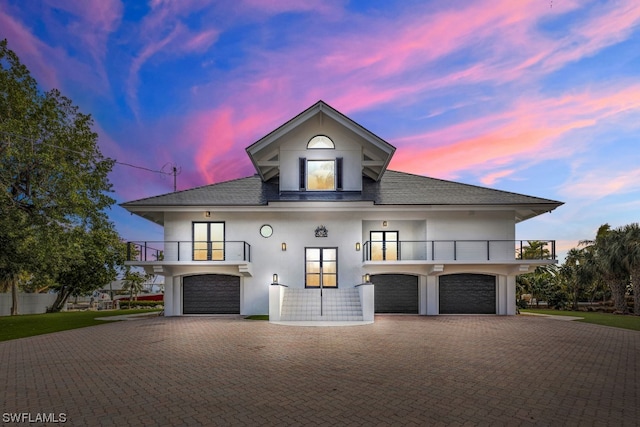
(324, 231)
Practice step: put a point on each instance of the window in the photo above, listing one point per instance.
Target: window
(320, 141)
(321, 267)
(384, 246)
(208, 241)
(321, 175)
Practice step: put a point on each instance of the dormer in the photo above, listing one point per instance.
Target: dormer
(320, 150)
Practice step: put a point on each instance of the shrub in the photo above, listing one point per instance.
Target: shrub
(141, 304)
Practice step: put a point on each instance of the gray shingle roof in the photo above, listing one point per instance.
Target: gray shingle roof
(250, 191)
(400, 188)
(394, 188)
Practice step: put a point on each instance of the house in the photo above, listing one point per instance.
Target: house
(324, 231)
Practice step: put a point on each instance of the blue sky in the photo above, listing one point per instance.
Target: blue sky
(538, 97)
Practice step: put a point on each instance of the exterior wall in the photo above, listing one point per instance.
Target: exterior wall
(472, 229)
(471, 225)
(345, 229)
(297, 230)
(27, 303)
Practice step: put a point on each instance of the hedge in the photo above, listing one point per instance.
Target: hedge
(141, 304)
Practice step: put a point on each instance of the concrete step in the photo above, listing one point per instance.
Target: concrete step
(337, 305)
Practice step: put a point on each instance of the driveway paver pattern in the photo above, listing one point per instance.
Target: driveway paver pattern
(401, 370)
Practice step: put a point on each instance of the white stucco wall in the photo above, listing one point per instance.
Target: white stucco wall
(345, 229)
(297, 230)
(27, 303)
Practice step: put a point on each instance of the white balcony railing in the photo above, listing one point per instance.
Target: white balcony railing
(189, 251)
(459, 250)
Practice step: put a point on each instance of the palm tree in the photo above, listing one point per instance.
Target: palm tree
(542, 284)
(608, 263)
(578, 273)
(134, 282)
(535, 249)
(629, 251)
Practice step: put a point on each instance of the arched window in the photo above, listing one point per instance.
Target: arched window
(320, 141)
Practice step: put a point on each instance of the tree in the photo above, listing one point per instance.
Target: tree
(535, 249)
(92, 261)
(628, 249)
(543, 285)
(52, 175)
(134, 282)
(606, 261)
(578, 274)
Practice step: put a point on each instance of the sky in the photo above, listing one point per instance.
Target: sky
(540, 97)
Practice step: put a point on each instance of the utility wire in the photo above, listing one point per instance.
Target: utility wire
(174, 170)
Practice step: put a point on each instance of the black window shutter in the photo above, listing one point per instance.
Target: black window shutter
(339, 173)
(303, 173)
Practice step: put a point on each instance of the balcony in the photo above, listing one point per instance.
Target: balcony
(188, 251)
(459, 250)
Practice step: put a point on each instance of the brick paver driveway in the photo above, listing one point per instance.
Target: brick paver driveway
(450, 370)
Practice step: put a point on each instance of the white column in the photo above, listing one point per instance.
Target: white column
(367, 299)
(168, 296)
(433, 306)
(276, 296)
(501, 294)
(511, 295)
(422, 294)
(177, 296)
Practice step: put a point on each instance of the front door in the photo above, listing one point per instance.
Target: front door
(384, 246)
(321, 267)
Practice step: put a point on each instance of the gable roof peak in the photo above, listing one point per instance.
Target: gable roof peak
(261, 151)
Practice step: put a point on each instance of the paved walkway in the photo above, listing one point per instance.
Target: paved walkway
(401, 370)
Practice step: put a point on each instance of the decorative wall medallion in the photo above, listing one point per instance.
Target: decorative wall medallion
(321, 231)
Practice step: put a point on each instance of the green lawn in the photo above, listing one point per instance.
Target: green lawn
(12, 327)
(258, 317)
(606, 319)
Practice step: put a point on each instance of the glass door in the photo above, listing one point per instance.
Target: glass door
(208, 241)
(384, 246)
(321, 267)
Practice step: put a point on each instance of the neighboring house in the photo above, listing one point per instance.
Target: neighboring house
(324, 215)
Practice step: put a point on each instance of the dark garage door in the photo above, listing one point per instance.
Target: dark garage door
(467, 294)
(395, 293)
(211, 294)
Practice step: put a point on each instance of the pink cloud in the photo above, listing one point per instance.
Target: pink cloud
(505, 34)
(491, 178)
(163, 34)
(31, 50)
(524, 135)
(200, 41)
(147, 52)
(596, 184)
(282, 6)
(95, 21)
(345, 71)
(216, 134)
(86, 31)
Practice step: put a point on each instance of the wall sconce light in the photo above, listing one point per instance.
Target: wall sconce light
(367, 278)
(384, 223)
(357, 246)
(284, 246)
(275, 278)
(207, 214)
